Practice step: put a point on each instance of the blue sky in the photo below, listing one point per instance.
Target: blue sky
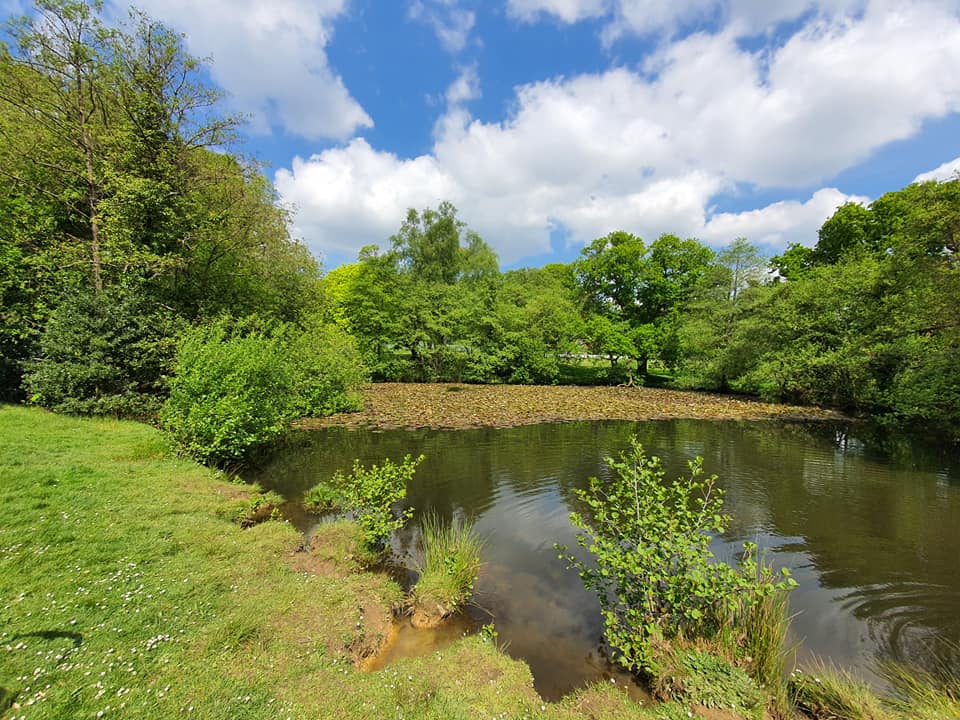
(552, 122)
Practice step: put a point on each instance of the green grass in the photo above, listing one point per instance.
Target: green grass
(448, 567)
(126, 590)
(825, 691)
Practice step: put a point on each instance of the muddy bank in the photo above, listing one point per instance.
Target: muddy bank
(451, 406)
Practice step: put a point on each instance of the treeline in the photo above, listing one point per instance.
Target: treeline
(868, 320)
(129, 231)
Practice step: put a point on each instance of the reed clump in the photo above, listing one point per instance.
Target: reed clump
(449, 563)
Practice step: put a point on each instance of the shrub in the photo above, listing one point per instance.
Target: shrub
(238, 384)
(370, 494)
(448, 567)
(654, 573)
(106, 353)
(231, 394)
(323, 497)
(328, 371)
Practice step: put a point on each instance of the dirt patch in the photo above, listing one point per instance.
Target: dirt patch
(433, 405)
(430, 615)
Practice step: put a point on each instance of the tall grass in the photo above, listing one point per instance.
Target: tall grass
(924, 694)
(448, 567)
(756, 633)
(825, 691)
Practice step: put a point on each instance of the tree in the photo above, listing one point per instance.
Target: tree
(625, 281)
(110, 116)
(746, 265)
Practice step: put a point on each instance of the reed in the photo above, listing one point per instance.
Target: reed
(448, 567)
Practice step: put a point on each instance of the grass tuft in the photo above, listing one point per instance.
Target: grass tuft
(825, 691)
(449, 564)
(757, 634)
(923, 694)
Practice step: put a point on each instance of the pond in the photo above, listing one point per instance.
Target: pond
(872, 536)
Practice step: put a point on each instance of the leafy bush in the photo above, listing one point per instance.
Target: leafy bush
(654, 573)
(328, 371)
(231, 394)
(105, 353)
(448, 568)
(238, 384)
(370, 495)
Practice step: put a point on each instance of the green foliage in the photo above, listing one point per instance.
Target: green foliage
(698, 677)
(370, 495)
(328, 371)
(104, 354)
(654, 573)
(231, 394)
(323, 497)
(448, 566)
(111, 184)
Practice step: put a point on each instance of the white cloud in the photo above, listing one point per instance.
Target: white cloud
(646, 17)
(569, 11)
(950, 170)
(354, 196)
(270, 57)
(465, 88)
(649, 152)
(778, 224)
(451, 24)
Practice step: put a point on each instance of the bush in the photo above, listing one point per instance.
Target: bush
(106, 353)
(238, 384)
(328, 372)
(370, 495)
(232, 393)
(448, 568)
(654, 573)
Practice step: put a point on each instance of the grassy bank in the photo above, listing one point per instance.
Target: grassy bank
(127, 591)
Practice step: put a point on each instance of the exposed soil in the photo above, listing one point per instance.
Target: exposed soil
(453, 406)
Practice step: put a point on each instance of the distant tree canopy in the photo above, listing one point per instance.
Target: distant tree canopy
(867, 320)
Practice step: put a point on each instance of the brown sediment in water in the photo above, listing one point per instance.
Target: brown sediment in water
(433, 405)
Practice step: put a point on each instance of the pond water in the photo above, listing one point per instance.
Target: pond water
(872, 536)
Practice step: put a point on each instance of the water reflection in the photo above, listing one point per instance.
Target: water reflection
(871, 531)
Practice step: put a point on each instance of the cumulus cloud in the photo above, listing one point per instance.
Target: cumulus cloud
(450, 22)
(778, 224)
(649, 150)
(270, 58)
(950, 170)
(465, 88)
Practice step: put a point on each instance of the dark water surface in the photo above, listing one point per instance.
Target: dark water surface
(872, 536)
